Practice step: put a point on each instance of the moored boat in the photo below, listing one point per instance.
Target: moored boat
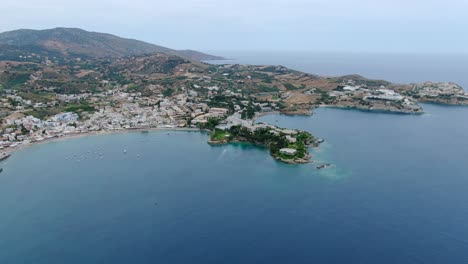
(4, 156)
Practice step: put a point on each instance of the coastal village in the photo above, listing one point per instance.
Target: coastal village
(45, 99)
(120, 111)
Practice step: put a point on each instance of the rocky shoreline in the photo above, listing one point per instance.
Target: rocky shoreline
(305, 160)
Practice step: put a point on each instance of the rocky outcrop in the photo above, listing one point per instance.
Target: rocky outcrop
(442, 92)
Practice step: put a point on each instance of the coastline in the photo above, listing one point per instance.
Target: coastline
(11, 151)
(260, 114)
(310, 112)
(388, 111)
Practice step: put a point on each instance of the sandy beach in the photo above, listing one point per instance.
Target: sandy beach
(11, 150)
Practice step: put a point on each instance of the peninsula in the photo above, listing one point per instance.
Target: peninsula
(286, 145)
(55, 87)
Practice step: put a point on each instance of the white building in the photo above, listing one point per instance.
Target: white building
(288, 151)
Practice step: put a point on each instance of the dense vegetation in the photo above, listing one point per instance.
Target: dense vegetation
(268, 137)
(210, 125)
(249, 111)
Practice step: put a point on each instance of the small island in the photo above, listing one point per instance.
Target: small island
(286, 145)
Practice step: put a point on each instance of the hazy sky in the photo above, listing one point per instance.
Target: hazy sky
(317, 25)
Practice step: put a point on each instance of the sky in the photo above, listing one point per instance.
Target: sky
(374, 26)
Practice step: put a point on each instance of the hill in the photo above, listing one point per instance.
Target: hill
(76, 42)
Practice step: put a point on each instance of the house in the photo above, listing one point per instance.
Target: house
(218, 112)
(291, 139)
(288, 151)
(289, 132)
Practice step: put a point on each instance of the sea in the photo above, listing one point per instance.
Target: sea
(397, 190)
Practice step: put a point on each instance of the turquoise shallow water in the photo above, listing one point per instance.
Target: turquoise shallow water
(396, 195)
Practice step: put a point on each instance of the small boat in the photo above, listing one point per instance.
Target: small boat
(125, 151)
(1, 169)
(323, 166)
(4, 156)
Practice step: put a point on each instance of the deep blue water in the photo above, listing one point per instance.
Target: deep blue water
(397, 194)
(398, 68)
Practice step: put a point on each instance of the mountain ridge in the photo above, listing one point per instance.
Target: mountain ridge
(81, 43)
